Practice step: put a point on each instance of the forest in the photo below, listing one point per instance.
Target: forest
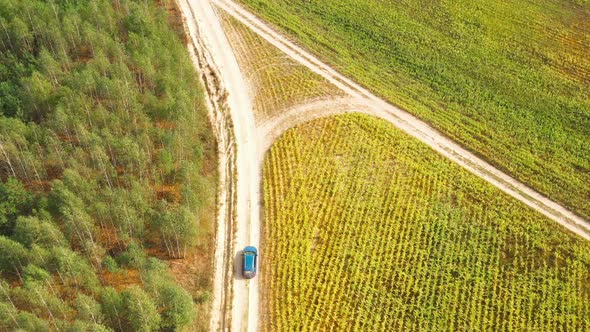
(106, 167)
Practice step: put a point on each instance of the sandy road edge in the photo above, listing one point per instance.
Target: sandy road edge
(215, 98)
(403, 120)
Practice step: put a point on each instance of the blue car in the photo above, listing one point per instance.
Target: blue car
(250, 257)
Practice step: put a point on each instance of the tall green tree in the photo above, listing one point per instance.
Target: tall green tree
(15, 200)
(13, 256)
(140, 311)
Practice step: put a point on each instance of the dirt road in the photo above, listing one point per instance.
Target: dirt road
(239, 308)
(236, 231)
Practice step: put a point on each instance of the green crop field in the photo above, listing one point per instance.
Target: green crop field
(368, 229)
(276, 81)
(508, 79)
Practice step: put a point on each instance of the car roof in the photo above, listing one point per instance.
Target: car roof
(249, 262)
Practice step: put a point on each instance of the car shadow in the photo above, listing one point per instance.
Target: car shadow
(238, 262)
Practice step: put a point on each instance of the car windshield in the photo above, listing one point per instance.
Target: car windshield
(249, 261)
